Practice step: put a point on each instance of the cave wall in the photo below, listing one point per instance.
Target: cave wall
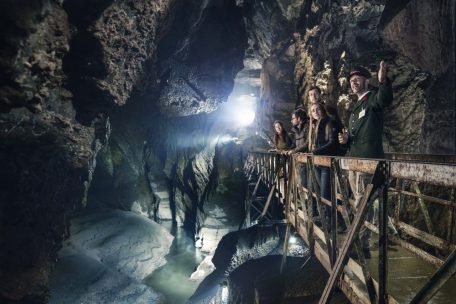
(328, 38)
(126, 84)
(47, 157)
(72, 72)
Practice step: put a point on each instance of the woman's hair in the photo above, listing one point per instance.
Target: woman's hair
(283, 133)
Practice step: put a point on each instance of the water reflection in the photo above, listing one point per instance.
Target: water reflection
(173, 279)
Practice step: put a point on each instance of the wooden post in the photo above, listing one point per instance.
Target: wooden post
(400, 199)
(332, 180)
(285, 247)
(357, 242)
(356, 225)
(321, 209)
(451, 218)
(271, 193)
(249, 202)
(383, 238)
(427, 217)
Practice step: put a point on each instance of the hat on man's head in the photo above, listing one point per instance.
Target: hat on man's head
(359, 70)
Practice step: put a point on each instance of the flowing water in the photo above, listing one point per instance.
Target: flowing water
(173, 279)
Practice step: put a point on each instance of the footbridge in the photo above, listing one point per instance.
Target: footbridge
(414, 225)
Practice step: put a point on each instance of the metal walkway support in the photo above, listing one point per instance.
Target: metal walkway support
(404, 172)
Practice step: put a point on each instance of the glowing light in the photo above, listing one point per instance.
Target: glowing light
(224, 294)
(240, 110)
(223, 139)
(292, 240)
(246, 117)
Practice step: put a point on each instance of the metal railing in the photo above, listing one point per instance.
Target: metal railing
(280, 174)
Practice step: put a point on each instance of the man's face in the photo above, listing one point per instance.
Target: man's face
(314, 96)
(294, 120)
(358, 84)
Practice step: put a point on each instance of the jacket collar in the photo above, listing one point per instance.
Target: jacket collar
(363, 98)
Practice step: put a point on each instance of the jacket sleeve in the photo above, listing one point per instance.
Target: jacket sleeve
(302, 147)
(289, 142)
(384, 96)
(330, 148)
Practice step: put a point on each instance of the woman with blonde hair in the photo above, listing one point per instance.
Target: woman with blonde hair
(325, 142)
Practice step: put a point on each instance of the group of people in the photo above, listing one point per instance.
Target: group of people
(324, 134)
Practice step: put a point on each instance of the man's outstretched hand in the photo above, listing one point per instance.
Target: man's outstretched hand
(382, 72)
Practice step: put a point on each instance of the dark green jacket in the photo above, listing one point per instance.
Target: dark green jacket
(365, 129)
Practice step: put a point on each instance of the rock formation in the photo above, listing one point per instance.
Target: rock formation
(111, 102)
(67, 67)
(328, 38)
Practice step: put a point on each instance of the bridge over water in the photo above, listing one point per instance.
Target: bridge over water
(415, 265)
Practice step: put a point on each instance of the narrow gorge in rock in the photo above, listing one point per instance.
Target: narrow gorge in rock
(141, 163)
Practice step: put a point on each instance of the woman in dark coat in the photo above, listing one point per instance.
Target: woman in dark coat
(331, 112)
(325, 142)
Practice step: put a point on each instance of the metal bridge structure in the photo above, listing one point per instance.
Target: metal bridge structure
(399, 183)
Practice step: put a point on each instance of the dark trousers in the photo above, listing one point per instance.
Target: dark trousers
(323, 175)
(323, 179)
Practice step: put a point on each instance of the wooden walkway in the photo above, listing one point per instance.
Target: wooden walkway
(398, 183)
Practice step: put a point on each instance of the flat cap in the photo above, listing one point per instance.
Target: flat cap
(359, 70)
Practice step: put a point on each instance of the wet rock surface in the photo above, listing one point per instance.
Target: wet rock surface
(68, 66)
(38, 152)
(106, 258)
(303, 281)
(150, 70)
(235, 249)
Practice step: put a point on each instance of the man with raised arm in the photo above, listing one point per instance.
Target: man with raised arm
(365, 130)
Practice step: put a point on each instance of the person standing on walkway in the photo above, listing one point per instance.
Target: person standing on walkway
(300, 128)
(282, 140)
(324, 143)
(365, 130)
(314, 96)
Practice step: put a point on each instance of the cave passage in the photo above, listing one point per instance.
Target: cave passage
(125, 127)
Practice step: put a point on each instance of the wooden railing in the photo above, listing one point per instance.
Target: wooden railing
(280, 174)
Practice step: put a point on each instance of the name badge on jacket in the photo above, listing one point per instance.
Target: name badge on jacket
(362, 113)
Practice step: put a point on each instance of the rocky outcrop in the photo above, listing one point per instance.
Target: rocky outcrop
(117, 248)
(200, 57)
(113, 50)
(47, 158)
(328, 38)
(425, 35)
(47, 164)
(235, 249)
(67, 66)
(302, 281)
(35, 41)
